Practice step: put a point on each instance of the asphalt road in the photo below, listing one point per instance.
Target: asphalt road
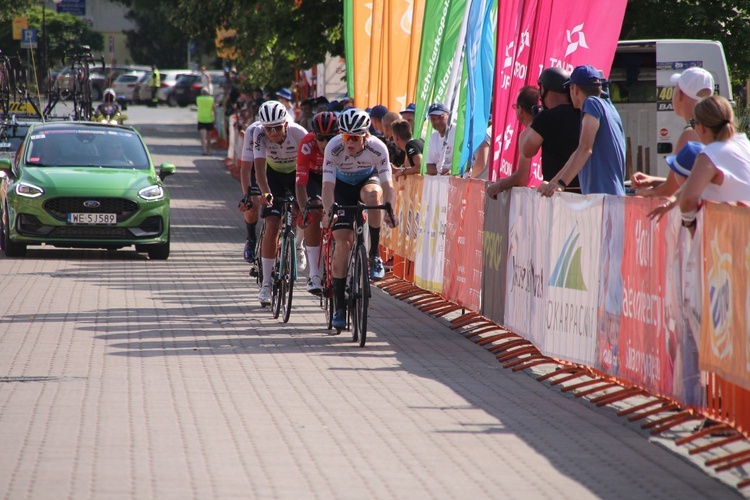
(122, 377)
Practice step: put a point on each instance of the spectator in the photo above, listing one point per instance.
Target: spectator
(412, 148)
(691, 86)
(440, 147)
(206, 81)
(394, 153)
(556, 128)
(206, 118)
(599, 159)
(722, 171)
(306, 113)
(408, 114)
(376, 119)
(480, 161)
(286, 98)
(528, 98)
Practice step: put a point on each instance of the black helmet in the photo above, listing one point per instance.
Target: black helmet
(553, 79)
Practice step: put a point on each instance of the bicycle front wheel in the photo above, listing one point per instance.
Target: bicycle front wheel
(360, 295)
(288, 269)
(277, 269)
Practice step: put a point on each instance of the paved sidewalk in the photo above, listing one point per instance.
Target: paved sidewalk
(167, 380)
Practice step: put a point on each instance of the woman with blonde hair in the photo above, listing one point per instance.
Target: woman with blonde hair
(722, 171)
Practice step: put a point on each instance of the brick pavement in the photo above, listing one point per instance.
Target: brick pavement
(166, 380)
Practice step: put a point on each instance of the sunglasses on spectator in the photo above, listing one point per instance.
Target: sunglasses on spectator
(275, 128)
(352, 138)
(323, 137)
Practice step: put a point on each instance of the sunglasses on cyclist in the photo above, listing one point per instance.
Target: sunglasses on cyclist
(352, 138)
(323, 137)
(275, 128)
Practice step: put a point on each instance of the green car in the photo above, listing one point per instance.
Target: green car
(84, 185)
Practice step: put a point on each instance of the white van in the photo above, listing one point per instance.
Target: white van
(642, 92)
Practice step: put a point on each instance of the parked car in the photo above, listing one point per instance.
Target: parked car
(12, 135)
(101, 78)
(84, 185)
(128, 84)
(168, 79)
(185, 90)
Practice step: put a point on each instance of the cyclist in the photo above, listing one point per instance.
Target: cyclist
(109, 107)
(356, 168)
(309, 183)
(250, 206)
(275, 145)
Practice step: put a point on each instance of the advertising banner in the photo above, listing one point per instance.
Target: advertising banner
(462, 274)
(646, 352)
(528, 256)
(725, 338)
(428, 265)
(610, 285)
(495, 244)
(412, 209)
(480, 64)
(682, 310)
(572, 280)
(391, 238)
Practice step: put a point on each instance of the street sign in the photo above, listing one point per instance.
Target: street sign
(75, 7)
(19, 23)
(28, 38)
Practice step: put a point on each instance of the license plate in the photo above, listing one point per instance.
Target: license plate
(83, 218)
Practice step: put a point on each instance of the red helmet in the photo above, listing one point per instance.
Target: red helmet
(325, 123)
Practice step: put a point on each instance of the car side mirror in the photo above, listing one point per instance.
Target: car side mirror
(165, 170)
(6, 167)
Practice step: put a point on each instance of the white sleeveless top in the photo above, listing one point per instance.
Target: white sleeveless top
(732, 157)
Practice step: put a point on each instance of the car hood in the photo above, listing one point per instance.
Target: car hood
(88, 179)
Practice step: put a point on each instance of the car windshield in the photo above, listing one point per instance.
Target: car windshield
(68, 147)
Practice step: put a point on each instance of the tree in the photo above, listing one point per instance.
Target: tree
(63, 33)
(274, 37)
(727, 21)
(156, 40)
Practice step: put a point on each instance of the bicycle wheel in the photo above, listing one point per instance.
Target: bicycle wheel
(326, 296)
(276, 280)
(360, 295)
(258, 260)
(287, 276)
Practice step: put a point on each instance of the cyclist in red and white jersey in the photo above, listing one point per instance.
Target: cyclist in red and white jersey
(275, 157)
(309, 184)
(356, 168)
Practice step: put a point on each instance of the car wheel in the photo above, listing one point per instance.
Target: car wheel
(159, 251)
(172, 100)
(11, 248)
(96, 94)
(136, 96)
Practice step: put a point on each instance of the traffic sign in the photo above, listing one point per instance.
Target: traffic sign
(28, 38)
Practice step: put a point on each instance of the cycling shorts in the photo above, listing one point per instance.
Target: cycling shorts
(281, 186)
(348, 194)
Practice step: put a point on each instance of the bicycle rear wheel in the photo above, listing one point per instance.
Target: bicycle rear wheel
(288, 268)
(258, 261)
(360, 295)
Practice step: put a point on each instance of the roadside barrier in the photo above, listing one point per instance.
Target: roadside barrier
(626, 306)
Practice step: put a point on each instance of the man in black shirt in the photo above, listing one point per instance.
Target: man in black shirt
(412, 149)
(557, 128)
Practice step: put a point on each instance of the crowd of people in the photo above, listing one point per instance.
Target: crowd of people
(326, 152)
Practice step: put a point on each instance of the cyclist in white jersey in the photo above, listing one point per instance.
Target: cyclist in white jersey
(250, 206)
(356, 168)
(275, 147)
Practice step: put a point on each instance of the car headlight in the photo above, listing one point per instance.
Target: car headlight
(28, 190)
(152, 193)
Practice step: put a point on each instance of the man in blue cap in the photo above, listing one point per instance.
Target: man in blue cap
(599, 159)
(408, 114)
(440, 147)
(376, 119)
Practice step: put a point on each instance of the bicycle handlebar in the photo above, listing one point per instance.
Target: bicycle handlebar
(361, 207)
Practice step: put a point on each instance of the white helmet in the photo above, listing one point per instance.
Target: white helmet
(272, 113)
(354, 121)
(111, 94)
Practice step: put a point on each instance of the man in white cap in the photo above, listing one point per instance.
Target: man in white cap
(691, 86)
(286, 98)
